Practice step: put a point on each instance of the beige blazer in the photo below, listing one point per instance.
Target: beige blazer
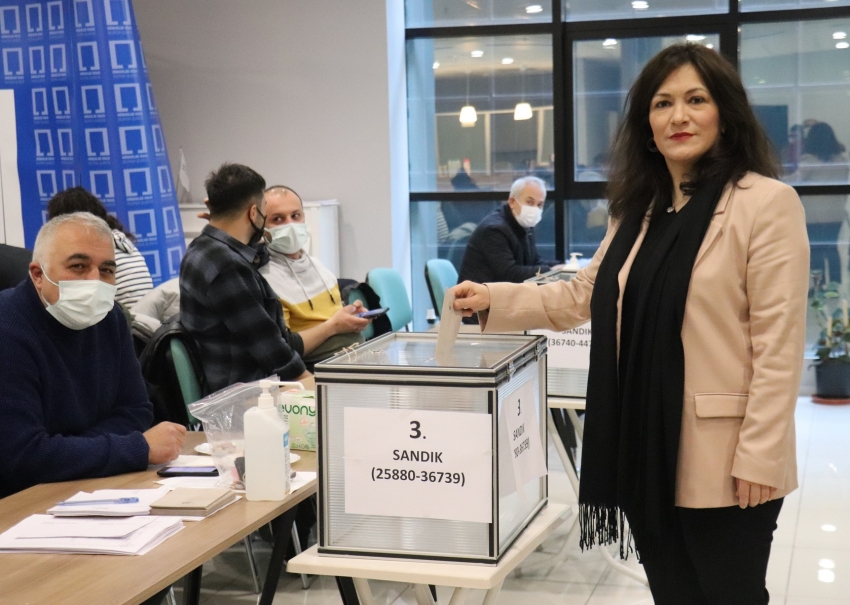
(743, 336)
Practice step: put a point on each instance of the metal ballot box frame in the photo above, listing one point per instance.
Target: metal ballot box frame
(397, 378)
(568, 351)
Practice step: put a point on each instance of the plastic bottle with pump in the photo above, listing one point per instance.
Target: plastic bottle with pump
(267, 464)
(573, 265)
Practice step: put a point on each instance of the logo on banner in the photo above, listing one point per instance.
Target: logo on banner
(88, 58)
(39, 103)
(62, 101)
(151, 104)
(10, 21)
(58, 60)
(66, 145)
(128, 99)
(97, 144)
(151, 258)
(158, 141)
(175, 255)
(93, 100)
(123, 56)
(68, 179)
(165, 187)
(13, 64)
(137, 186)
(134, 143)
(169, 218)
(35, 25)
(117, 14)
(143, 223)
(43, 144)
(55, 17)
(100, 184)
(46, 183)
(83, 14)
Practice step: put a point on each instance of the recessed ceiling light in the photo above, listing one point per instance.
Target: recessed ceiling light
(436, 64)
(827, 563)
(694, 38)
(477, 54)
(843, 45)
(828, 527)
(826, 575)
(640, 5)
(839, 35)
(507, 61)
(609, 43)
(709, 45)
(533, 9)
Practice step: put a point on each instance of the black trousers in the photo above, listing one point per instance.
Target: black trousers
(718, 557)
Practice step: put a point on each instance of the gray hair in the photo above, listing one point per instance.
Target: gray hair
(522, 182)
(44, 240)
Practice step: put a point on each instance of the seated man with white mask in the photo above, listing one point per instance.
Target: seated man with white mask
(308, 291)
(502, 248)
(73, 403)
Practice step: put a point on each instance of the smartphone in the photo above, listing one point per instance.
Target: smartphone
(188, 471)
(373, 313)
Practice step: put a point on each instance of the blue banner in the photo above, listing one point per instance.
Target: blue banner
(86, 115)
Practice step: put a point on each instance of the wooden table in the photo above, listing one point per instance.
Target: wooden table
(461, 576)
(129, 580)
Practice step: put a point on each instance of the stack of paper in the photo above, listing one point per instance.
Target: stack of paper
(126, 536)
(190, 502)
(142, 507)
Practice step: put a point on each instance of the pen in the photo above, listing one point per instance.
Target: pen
(109, 501)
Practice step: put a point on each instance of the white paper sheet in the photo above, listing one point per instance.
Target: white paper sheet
(142, 507)
(450, 321)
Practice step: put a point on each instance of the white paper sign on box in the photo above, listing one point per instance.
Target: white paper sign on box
(418, 463)
(524, 436)
(569, 349)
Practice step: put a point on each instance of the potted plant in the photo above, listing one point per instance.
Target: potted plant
(832, 356)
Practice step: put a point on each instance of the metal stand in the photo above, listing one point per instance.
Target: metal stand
(252, 563)
(192, 587)
(281, 530)
(296, 546)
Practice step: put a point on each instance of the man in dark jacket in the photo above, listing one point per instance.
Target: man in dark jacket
(502, 248)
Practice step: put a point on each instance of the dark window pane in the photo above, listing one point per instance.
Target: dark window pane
(479, 112)
(431, 13)
(589, 10)
(798, 78)
(587, 223)
(603, 71)
(772, 5)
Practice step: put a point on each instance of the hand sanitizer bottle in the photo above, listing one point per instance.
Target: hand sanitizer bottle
(267, 466)
(573, 264)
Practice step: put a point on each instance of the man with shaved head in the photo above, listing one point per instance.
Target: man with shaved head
(73, 403)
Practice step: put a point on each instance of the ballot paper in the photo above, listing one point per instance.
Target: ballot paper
(449, 327)
(93, 536)
(142, 507)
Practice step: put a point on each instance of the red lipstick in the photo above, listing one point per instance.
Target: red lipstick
(681, 136)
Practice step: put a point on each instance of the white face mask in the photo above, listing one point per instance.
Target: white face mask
(82, 302)
(529, 216)
(288, 238)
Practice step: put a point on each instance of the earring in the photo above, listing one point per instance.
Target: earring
(650, 144)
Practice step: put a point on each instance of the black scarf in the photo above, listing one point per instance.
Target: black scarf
(633, 421)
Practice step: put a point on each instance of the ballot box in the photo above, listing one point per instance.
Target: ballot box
(431, 456)
(568, 351)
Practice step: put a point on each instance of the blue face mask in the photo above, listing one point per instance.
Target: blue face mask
(288, 238)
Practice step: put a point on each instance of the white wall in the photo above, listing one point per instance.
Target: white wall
(300, 90)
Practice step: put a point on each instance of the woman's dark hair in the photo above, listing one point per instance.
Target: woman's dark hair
(821, 142)
(78, 199)
(231, 189)
(638, 175)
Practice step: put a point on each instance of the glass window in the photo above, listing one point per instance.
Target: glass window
(436, 13)
(591, 10)
(479, 112)
(770, 5)
(587, 223)
(798, 78)
(603, 72)
(442, 230)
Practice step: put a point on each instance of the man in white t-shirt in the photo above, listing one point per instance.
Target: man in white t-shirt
(309, 293)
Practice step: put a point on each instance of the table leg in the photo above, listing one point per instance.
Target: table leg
(562, 453)
(192, 587)
(492, 595)
(282, 535)
(577, 425)
(459, 596)
(347, 591)
(617, 566)
(364, 593)
(423, 594)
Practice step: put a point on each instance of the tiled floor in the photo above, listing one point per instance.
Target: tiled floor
(810, 561)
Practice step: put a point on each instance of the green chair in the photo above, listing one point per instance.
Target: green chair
(190, 386)
(440, 275)
(389, 286)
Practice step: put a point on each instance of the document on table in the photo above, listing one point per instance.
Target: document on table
(128, 536)
(142, 507)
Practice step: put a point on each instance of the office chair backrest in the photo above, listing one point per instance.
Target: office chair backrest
(356, 294)
(190, 386)
(14, 265)
(389, 286)
(440, 275)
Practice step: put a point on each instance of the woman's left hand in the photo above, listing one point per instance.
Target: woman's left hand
(753, 494)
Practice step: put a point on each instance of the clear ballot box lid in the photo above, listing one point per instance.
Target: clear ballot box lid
(415, 353)
(552, 276)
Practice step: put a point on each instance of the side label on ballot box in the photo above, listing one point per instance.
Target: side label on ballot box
(524, 435)
(418, 463)
(569, 349)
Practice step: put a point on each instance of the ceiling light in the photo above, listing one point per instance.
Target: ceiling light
(609, 43)
(827, 563)
(477, 54)
(533, 9)
(468, 117)
(522, 111)
(436, 64)
(839, 35)
(507, 61)
(826, 575)
(843, 45)
(640, 5)
(709, 45)
(828, 527)
(694, 38)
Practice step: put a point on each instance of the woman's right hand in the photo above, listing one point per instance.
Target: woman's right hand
(471, 297)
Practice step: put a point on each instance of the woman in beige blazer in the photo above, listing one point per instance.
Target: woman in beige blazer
(698, 297)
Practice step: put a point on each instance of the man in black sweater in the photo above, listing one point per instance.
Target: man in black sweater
(502, 248)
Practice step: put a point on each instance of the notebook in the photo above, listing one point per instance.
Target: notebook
(189, 502)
